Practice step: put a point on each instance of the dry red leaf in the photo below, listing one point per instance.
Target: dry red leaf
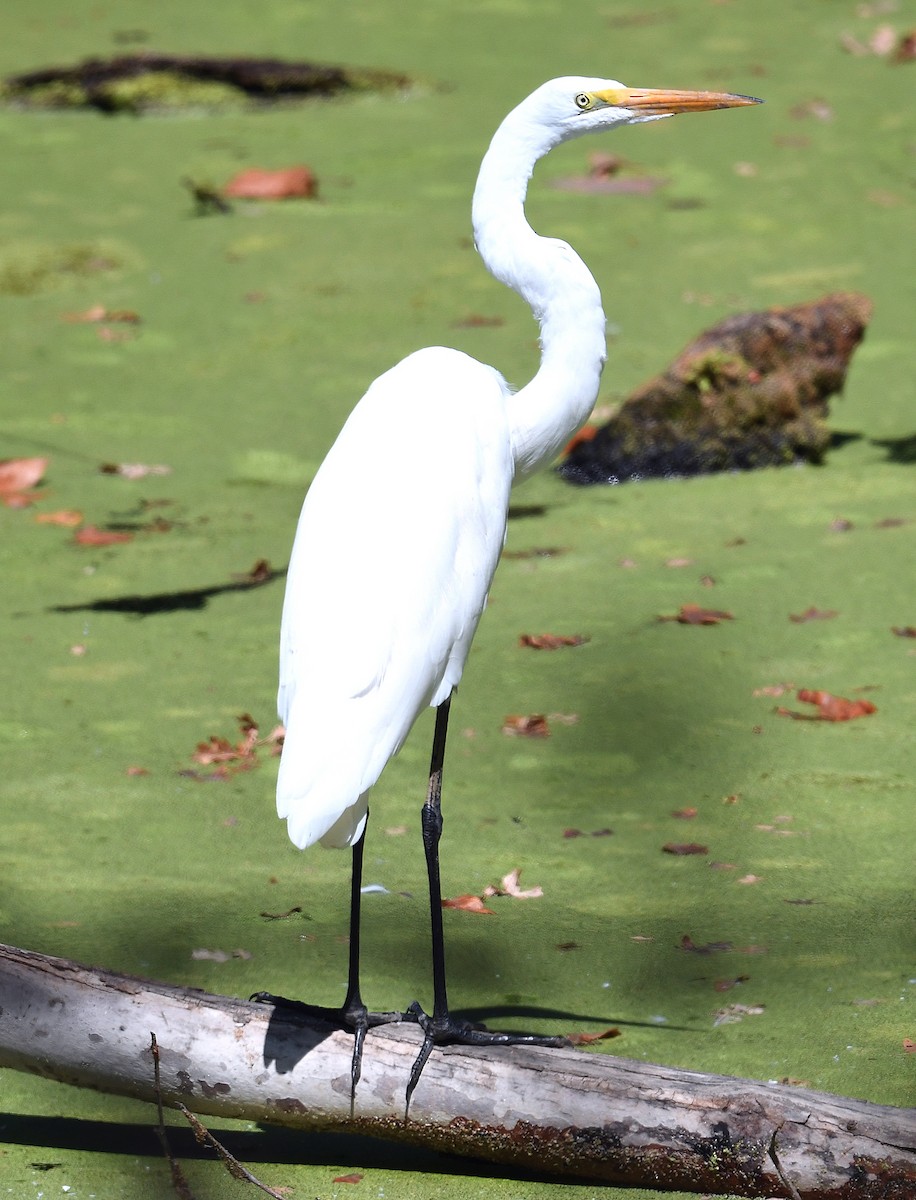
(533, 725)
(242, 756)
(684, 814)
(909, 1045)
(469, 904)
(510, 887)
(91, 535)
(685, 848)
(904, 630)
(695, 614)
(68, 517)
(17, 476)
(830, 707)
(573, 833)
(550, 641)
(353, 1177)
(586, 1039)
(136, 771)
(283, 184)
(585, 434)
(813, 614)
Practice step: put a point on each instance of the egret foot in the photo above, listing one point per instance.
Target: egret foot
(448, 1031)
(353, 1017)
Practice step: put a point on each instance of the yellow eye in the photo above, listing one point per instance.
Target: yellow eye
(583, 100)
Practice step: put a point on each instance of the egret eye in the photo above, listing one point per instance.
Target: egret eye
(583, 100)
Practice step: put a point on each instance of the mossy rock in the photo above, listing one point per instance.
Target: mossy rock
(750, 392)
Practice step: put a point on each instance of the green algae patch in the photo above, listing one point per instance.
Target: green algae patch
(162, 83)
(30, 266)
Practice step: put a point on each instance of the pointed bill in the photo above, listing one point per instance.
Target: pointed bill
(665, 102)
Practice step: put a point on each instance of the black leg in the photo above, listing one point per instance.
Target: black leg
(441, 1027)
(352, 1014)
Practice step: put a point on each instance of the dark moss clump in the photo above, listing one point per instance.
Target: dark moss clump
(750, 392)
(153, 82)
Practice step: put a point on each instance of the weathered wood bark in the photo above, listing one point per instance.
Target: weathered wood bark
(559, 1111)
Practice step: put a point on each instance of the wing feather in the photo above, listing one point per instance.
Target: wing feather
(396, 546)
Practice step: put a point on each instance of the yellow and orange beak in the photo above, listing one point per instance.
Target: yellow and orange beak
(661, 102)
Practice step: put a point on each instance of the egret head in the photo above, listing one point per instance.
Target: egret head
(575, 105)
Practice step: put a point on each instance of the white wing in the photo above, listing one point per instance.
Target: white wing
(397, 543)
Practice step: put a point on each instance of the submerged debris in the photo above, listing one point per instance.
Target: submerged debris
(751, 391)
(155, 82)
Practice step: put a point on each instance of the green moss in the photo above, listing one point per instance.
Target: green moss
(168, 91)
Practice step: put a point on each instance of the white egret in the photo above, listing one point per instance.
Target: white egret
(403, 524)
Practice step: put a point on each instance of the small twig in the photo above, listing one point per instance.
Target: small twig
(231, 1163)
(204, 1138)
(783, 1178)
(179, 1183)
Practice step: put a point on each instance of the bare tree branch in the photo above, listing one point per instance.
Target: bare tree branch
(564, 1112)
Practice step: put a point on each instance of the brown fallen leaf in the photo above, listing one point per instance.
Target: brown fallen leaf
(68, 517)
(573, 833)
(17, 477)
(813, 614)
(695, 614)
(550, 641)
(91, 535)
(469, 904)
(566, 946)
(353, 1177)
(909, 1045)
(684, 814)
(585, 434)
(282, 184)
(586, 1039)
(136, 771)
(260, 572)
(726, 985)
(685, 848)
(908, 631)
(509, 886)
(533, 725)
(830, 707)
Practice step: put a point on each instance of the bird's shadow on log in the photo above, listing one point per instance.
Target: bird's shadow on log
(288, 1040)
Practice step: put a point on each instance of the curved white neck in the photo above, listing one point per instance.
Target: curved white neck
(557, 285)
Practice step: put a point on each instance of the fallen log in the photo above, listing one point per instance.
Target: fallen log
(564, 1112)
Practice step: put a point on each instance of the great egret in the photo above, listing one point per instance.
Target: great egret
(403, 524)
